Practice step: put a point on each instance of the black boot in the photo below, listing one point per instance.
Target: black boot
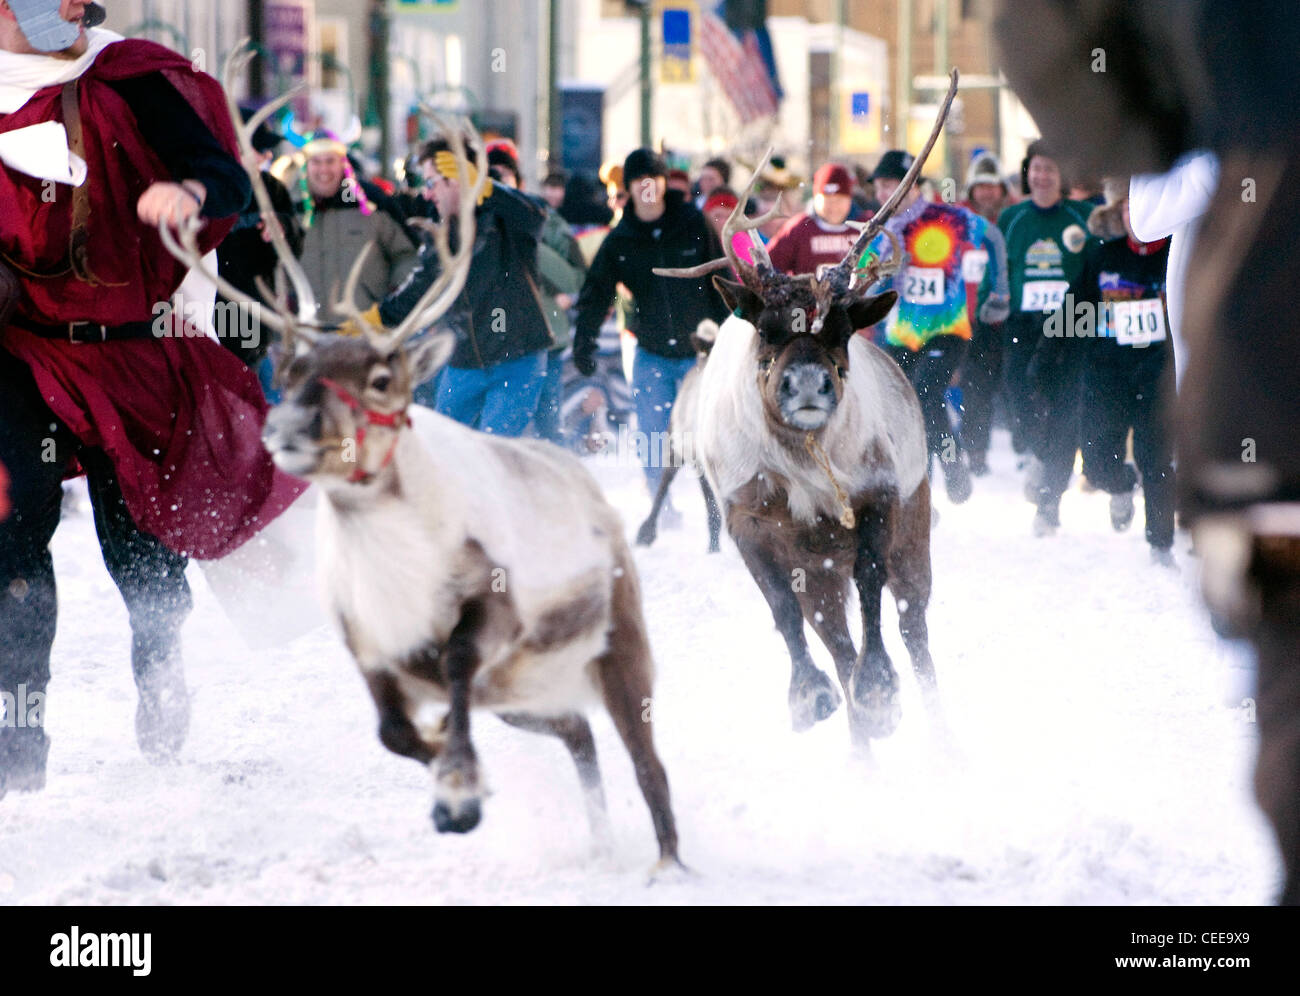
(162, 718)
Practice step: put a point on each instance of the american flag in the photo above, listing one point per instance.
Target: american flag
(739, 68)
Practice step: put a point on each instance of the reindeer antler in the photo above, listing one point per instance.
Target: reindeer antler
(273, 310)
(454, 267)
(837, 279)
(735, 224)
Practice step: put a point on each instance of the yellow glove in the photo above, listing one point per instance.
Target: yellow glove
(445, 163)
(371, 315)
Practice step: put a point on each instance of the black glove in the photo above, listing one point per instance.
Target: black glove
(584, 360)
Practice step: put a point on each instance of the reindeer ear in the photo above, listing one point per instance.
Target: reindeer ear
(426, 355)
(866, 312)
(739, 298)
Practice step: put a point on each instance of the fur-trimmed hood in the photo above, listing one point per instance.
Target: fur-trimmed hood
(1107, 221)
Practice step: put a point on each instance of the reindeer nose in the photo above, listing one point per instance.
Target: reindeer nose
(289, 420)
(806, 380)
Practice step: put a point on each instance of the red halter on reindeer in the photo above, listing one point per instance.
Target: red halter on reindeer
(463, 569)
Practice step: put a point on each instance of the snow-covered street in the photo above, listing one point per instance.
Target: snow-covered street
(1103, 751)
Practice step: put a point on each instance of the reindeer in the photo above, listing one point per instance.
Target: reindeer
(463, 570)
(681, 442)
(813, 440)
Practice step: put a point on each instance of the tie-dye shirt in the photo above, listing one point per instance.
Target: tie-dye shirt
(949, 258)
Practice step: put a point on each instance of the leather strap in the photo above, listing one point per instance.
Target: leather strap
(78, 258)
(85, 332)
(78, 254)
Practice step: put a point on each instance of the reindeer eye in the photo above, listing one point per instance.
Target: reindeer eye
(380, 382)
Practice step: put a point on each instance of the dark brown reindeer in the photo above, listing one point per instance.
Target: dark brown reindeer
(463, 570)
(681, 443)
(813, 440)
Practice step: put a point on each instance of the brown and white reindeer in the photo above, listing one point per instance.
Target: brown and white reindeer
(464, 570)
(813, 441)
(681, 443)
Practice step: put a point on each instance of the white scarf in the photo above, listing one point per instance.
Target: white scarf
(22, 75)
(41, 150)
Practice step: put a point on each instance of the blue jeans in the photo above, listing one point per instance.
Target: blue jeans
(655, 380)
(547, 420)
(499, 399)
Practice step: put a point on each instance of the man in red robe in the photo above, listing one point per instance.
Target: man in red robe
(102, 139)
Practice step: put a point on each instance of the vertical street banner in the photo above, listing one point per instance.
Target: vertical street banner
(582, 111)
(676, 65)
(290, 31)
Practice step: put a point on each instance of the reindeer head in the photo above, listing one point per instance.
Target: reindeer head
(802, 347)
(805, 322)
(345, 403)
(345, 396)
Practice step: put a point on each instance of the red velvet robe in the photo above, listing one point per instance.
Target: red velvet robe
(180, 417)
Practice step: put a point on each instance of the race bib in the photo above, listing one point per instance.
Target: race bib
(1043, 295)
(1139, 323)
(923, 285)
(973, 265)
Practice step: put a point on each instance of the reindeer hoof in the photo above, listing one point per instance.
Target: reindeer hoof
(877, 711)
(815, 700)
(463, 819)
(646, 535)
(669, 871)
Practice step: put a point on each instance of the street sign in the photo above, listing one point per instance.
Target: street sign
(859, 123)
(676, 64)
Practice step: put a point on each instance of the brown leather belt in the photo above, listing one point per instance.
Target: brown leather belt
(86, 332)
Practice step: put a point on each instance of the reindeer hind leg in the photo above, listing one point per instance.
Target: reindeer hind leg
(574, 732)
(649, 530)
(714, 513)
(625, 672)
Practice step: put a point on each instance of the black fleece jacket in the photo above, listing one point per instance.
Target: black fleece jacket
(666, 310)
(498, 315)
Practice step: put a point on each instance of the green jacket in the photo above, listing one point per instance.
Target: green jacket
(562, 269)
(1044, 252)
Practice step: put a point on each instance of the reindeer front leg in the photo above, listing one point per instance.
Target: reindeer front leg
(396, 731)
(812, 696)
(874, 709)
(457, 804)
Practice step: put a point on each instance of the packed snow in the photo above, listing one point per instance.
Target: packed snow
(1103, 749)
